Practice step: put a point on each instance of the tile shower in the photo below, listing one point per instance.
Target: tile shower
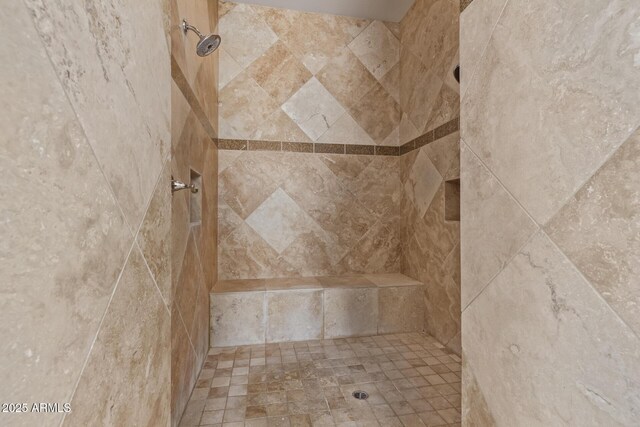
(465, 252)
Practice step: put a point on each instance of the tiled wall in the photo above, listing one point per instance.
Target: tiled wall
(429, 93)
(194, 223)
(288, 214)
(85, 212)
(550, 212)
(305, 77)
(430, 99)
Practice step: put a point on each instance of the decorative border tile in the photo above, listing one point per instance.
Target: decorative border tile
(323, 148)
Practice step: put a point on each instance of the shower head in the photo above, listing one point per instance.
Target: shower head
(207, 44)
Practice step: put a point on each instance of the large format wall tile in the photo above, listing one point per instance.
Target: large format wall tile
(599, 230)
(493, 228)
(99, 54)
(400, 309)
(238, 319)
(576, 335)
(64, 240)
(127, 375)
(585, 104)
(194, 223)
(294, 316)
(477, 23)
(350, 312)
(347, 66)
(293, 214)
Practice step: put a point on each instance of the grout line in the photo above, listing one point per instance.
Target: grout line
(492, 279)
(95, 338)
(484, 50)
(80, 125)
(566, 257)
(580, 186)
(504, 187)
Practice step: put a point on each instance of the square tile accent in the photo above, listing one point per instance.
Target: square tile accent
(377, 48)
(313, 108)
(279, 220)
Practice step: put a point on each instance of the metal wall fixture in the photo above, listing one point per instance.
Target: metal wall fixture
(179, 185)
(207, 44)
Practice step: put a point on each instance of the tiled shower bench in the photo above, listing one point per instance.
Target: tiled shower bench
(299, 309)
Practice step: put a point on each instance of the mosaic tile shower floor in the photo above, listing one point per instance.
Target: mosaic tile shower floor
(412, 380)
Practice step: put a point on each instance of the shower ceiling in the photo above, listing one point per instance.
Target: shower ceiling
(384, 10)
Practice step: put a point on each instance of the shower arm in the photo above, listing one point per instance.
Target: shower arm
(186, 27)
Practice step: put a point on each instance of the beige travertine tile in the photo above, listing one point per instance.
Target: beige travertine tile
(246, 36)
(323, 395)
(446, 106)
(243, 187)
(478, 24)
(349, 281)
(432, 31)
(567, 313)
(318, 191)
(585, 112)
(475, 411)
(505, 226)
(278, 126)
(378, 251)
(238, 319)
(279, 73)
(313, 108)
(400, 309)
(155, 234)
(61, 243)
(130, 354)
(419, 88)
(599, 230)
(346, 78)
(391, 82)
(279, 220)
(378, 186)
(346, 131)
(183, 364)
(244, 254)
(392, 280)
(346, 168)
(407, 129)
(246, 105)
(292, 283)
(280, 20)
(294, 315)
(377, 113)
(229, 68)
(350, 312)
(422, 183)
(247, 285)
(444, 152)
(104, 86)
(189, 280)
(377, 48)
(316, 38)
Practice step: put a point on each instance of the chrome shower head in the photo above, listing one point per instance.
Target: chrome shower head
(207, 44)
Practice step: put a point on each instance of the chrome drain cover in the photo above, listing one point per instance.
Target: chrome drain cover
(360, 395)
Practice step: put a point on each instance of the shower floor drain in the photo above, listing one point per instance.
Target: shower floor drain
(361, 395)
